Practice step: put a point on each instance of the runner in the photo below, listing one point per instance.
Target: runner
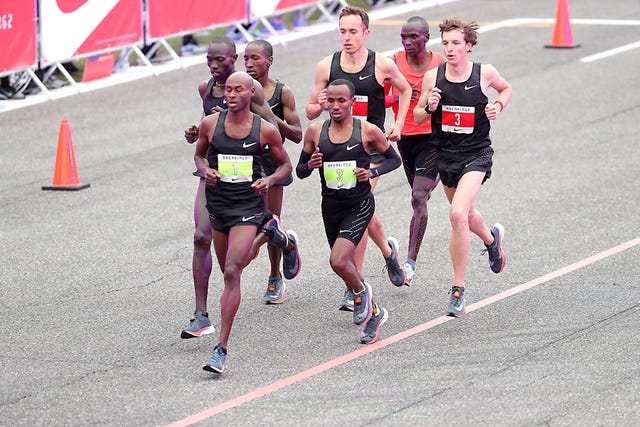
(221, 58)
(454, 94)
(417, 153)
(229, 155)
(258, 57)
(341, 149)
(368, 71)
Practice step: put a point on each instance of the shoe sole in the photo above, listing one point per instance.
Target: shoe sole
(500, 228)
(203, 331)
(457, 314)
(385, 316)
(210, 368)
(297, 249)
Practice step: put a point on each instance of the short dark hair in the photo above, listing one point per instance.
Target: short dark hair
(225, 40)
(347, 83)
(264, 45)
(420, 21)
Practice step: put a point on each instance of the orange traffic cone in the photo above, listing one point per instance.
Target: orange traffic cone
(65, 175)
(562, 34)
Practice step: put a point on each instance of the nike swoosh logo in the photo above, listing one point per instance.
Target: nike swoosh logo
(364, 77)
(345, 231)
(469, 87)
(351, 147)
(275, 105)
(420, 169)
(78, 25)
(245, 145)
(247, 218)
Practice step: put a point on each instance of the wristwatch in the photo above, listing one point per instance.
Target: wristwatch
(426, 108)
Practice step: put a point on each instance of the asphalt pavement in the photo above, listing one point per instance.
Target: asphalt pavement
(96, 284)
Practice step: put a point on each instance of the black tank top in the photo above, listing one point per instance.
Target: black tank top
(211, 101)
(239, 163)
(275, 102)
(338, 162)
(369, 103)
(460, 123)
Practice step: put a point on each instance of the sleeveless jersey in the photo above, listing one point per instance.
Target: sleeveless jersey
(239, 163)
(275, 102)
(460, 123)
(338, 163)
(369, 103)
(211, 101)
(415, 80)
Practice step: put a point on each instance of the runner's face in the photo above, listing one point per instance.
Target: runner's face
(220, 60)
(352, 33)
(238, 94)
(339, 102)
(414, 38)
(256, 61)
(454, 47)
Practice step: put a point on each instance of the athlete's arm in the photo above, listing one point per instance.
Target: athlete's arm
(191, 134)
(290, 128)
(490, 77)
(310, 156)
(392, 73)
(428, 82)
(205, 133)
(269, 135)
(318, 98)
(372, 136)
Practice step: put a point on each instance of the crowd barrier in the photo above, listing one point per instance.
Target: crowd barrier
(39, 34)
(17, 35)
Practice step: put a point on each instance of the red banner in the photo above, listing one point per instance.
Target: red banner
(17, 35)
(71, 28)
(262, 8)
(168, 17)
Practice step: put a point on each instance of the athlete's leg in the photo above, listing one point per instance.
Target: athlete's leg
(420, 194)
(461, 199)
(342, 261)
(375, 231)
(201, 262)
(274, 204)
(233, 252)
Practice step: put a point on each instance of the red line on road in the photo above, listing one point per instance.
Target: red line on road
(285, 382)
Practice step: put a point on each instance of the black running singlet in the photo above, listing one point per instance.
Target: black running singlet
(210, 101)
(460, 123)
(369, 103)
(338, 163)
(275, 102)
(239, 163)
